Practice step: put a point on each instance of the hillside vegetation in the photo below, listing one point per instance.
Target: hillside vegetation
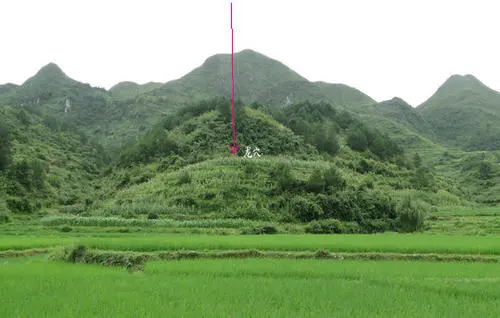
(43, 162)
(464, 112)
(332, 158)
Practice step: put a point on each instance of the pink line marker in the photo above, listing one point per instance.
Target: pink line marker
(234, 147)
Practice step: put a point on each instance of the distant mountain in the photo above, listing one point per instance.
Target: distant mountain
(401, 112)
(297, 91)
(124, 90)
(464, 112)
(9, 87)
(254, 74)
(49, 84)
(258, 78)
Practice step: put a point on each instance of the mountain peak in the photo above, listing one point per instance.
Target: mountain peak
(124, 85)
(462, 82)
(399, 101)
(50, 72)
(255, 74)
(51, 69)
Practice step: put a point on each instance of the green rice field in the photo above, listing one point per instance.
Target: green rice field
(391, 243)
(156, 274)
(34, 287)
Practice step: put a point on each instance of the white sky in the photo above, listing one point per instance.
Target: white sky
(384, 48)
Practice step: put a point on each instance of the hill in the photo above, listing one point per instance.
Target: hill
(182, 169)
(44, 163)
(255, 73)
(401, 112)
(130, 90)
(298, 91)
(155, 128)
(465, 113)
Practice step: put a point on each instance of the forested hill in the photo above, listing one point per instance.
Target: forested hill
(66, 143)
(464, 112)
(43, 162)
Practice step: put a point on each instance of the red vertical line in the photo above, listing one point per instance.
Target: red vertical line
(232, 78)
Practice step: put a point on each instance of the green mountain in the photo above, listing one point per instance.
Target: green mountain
(55, 94)
(128, 90)
(298, 91)
(325, 147)
(8, 88)
(465, 113)
(254, 74)
(401, 112)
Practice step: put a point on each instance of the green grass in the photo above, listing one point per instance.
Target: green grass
(484, 211)
(389, 243)
(465, 225)
(251, 288)
(114, 221)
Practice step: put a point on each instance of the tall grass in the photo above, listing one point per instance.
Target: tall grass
(113, 221)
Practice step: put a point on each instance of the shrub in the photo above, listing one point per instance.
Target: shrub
(412, 214)
(184, 178)
(4, 218)
(357, 139)
(328, 226)
(364, 167)
(316, 182)
(4, 212)
(153, 216)
(255, 230)
(250, 168)
(77, 254)
(283, 175)
(375, 225)
(341, 206)
(145, 177)
(351, 228)
(66, 229)
(304, 209)
(19, 205)
(333, 179)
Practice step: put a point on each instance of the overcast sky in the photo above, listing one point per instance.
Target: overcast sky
(384, 48)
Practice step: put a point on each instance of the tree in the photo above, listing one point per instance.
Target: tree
(333, 179)
(412, 214)
(38, 172)
(417, 161)
(485, 170)
(423, 178)
(22, 174)
(357, 140)
(4, 211)
(326, 140)
(316, 183)
(4, 147)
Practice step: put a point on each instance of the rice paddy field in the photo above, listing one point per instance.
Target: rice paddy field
(98, 270)
(34, 287)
